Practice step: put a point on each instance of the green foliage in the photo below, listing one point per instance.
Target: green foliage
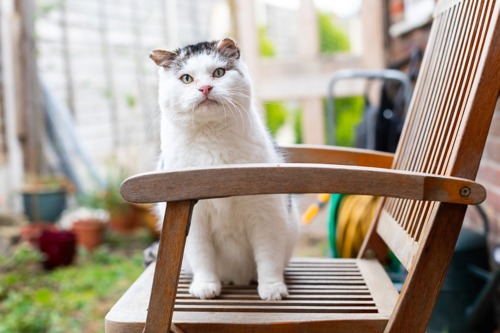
(66, 299)
(348, 113)
(23, 257)
(298, 127)
(331, 38)
(275, 115)
(108, 197)
(130, 100)
(265, 45)
(279, 113)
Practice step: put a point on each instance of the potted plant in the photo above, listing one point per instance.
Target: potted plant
(59, 247)
(88, 224)
(44, 198)
(121, 217)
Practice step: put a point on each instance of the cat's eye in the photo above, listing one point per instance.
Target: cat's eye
(186, 78)
(219, 72)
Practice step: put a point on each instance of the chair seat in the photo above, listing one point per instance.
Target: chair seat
(345, 295)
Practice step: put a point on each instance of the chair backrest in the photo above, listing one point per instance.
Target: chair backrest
(445, 133)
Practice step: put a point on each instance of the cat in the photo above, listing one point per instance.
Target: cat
(208, 117)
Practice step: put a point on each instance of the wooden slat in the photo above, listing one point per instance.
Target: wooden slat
(403, 246)
(305, 302)
(443, 6)
(216, 307)
(465, 157)
(381, 287)
(336, 155)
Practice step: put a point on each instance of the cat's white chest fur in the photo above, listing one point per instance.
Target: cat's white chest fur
(208, 119)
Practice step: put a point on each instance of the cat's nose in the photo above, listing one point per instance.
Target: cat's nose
(205, 90)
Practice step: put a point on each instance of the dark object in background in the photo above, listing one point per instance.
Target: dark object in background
(390, 116)
(59, 248)
(465, 303)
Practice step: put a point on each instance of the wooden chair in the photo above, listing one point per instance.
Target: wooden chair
(428, 184)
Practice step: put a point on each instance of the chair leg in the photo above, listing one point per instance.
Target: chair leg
(170, 252)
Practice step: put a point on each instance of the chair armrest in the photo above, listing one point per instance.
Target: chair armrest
(337, 155)
(252, 179)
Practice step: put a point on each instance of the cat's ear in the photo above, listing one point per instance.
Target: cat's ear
(228, 48)
(163, 58)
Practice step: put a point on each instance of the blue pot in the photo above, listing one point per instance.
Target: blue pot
(44, 206)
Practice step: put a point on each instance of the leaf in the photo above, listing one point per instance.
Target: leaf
(43, 296)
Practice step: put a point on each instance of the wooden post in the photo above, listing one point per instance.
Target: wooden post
(31, 126)
(108, 72)
(10, 28)
(67, 57)
(170, 253)
(313, 120)
(372, 16)
(247, 37)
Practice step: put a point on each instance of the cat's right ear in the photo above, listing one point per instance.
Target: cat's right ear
(163, 58)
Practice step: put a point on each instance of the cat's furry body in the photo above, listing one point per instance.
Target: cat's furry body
(208, 118)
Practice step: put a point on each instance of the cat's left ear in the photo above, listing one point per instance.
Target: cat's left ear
(163, 58)
(227, 47)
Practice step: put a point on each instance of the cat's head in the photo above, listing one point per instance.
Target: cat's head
(204, 82)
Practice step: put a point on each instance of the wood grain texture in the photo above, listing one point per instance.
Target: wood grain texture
(336, 155)
(253, 179)
(334, 305)
(168, 266)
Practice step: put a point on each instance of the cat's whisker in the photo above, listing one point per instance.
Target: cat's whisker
(192, 117)
(225, 114)
(232, 113)
(237, 107)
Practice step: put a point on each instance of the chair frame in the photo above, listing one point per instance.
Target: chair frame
(431, 176)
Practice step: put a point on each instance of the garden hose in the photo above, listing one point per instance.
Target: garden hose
(314, 208)
(354, 218)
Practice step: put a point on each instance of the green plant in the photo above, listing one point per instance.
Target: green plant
(276, 113)
(108, 197)
(265, 45)
(131, 100)
(70, 299)
(332, 39)
(298, 126)
(36, 183)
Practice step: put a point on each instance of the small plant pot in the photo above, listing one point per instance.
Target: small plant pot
(31, 232)
(59, 248)
(44, 205)
(122, 223)
(89, 233)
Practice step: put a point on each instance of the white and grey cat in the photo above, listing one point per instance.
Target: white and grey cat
(208, 118)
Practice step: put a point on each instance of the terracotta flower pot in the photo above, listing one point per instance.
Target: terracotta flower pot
(31, 232)
(59, 248)
(89, 233)
(122, 223)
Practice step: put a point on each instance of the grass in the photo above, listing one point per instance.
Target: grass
(70, 299)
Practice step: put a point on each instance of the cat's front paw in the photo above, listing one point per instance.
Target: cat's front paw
(205, 290)
(273, 291)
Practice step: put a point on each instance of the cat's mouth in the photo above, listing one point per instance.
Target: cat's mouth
(207, 102)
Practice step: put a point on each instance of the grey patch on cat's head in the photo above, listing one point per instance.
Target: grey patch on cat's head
(225, 48)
